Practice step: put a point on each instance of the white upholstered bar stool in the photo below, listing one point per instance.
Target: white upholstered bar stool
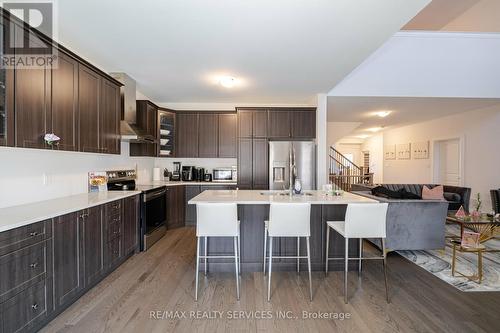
(217, 220)
(362, 220)
(289, 220)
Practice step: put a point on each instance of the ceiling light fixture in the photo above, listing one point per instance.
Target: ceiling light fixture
(363, 136)
(383, 114)
(227, 81)
(375, 129)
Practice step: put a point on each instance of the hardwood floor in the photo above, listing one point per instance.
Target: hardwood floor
(162, 279)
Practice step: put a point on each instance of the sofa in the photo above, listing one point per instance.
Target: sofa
(456, 196)
(415, 224)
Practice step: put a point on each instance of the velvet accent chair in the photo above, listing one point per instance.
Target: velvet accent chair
(495, 200)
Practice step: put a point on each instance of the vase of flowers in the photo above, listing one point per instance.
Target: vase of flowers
(51, 139)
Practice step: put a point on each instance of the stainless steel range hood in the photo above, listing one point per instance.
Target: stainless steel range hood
(129, 130)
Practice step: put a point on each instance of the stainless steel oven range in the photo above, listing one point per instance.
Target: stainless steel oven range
(153, 224)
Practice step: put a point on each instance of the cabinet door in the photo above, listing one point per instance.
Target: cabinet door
(279, 124)
(245, 163)
(260, 165)
(64, 117)
(175, 206)
(228, 131)
(130, 224)
(190, 215)
(186, 141)
(245, 124)
(303, 124)
(91, 221)
(110, 118)
(259, 120)
(68, 265)
(6, 99)
(89, 83)
(207, 134)
(32, 99)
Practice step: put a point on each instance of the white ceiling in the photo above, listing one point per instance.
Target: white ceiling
(405, 110)
(283, 51)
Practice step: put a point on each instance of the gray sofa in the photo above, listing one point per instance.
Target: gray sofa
(413, 224)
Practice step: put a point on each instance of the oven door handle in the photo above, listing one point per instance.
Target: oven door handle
(154, 195)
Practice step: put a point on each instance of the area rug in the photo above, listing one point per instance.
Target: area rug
(438, 262)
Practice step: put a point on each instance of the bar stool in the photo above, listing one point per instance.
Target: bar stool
(288, 220)
(217, 220)
(361, 221)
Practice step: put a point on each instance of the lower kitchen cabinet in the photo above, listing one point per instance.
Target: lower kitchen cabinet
(176, 200)
(191, 192)
(91, 220)
(130, 225)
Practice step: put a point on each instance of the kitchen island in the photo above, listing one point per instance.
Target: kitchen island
(253, 210)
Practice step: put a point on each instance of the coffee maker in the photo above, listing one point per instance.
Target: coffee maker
(176, 173)
(188, 173)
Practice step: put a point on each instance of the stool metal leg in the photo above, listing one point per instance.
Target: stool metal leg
(309, 268)
(197, 266)
(206, 260)
(236, 267)
(327, 248)
(239, 254)
(385, 270)
(270, 268)
(360, 254)
(298, 254)
(346, 268)
(265, 248)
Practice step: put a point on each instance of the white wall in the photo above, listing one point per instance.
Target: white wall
(480, 131)
(429, 64)
(375, 145)
(339, 130)
(22, 172)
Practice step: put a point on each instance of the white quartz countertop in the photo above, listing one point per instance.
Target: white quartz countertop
(174, 183)
(255, 197)
(18, 216)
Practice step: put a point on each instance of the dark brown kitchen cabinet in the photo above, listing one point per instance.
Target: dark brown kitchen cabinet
(32, 99)
(260, 168)
(186, 139)
(245, 158)
(190, 214)
(89, 95)
(92, 233)
(245, 120)
(303, 124)
(68, 260)
(252, 123)
(147, 119)
(279, 124)
(260, 121)
(228, 132)
(207, 134)
(109, 129)
(63, 120)
(176, 203)
(130, 225)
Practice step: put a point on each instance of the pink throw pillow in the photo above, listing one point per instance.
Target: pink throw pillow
(435, 193)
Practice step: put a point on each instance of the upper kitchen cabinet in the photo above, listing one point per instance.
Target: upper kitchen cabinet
(252, 123)
(166, 133)
(32, 89)
(279, 124)
(64, 116)
(303, 123)
(6, 100)
(207, 131)
(147, 120)
(109, 131)
(186, 139)
(89, 95)
(228, 132)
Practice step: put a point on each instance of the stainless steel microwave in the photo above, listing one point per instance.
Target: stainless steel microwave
(224, 175)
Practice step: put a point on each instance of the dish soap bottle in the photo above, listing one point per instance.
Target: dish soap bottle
(297, 187)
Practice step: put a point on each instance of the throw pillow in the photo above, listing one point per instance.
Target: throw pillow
(435, 193)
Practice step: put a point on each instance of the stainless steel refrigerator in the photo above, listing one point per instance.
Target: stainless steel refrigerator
(302, 154)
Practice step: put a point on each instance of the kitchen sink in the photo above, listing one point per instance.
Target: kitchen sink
(285, 193)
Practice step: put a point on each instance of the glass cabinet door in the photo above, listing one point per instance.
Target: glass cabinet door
(3, 111)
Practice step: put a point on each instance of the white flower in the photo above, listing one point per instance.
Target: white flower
(51, 138)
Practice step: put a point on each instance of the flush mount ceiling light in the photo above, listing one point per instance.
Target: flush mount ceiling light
(375, 129)
(227, 81)
(383, 114)
(363, 136)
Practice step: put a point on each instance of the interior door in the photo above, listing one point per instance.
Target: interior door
(449, 162)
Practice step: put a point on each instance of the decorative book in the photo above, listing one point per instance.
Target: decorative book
(470, 239)
(460, 213)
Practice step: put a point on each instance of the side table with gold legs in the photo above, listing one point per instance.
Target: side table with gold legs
(479, 250)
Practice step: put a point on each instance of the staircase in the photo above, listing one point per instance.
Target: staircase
(344, 173)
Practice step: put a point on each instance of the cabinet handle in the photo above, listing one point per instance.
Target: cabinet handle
(34, 265)
(33, 234)
(34, 306)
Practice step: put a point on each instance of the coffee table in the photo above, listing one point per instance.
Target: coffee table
(485, 226)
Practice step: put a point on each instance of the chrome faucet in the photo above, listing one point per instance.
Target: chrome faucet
(293, 169)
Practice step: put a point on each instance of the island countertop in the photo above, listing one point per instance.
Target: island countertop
(265, 197)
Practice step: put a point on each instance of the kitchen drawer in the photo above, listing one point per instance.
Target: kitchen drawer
(113, 208)
(30, 234)
(25, 311)
(21, 268)
(113, 227)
